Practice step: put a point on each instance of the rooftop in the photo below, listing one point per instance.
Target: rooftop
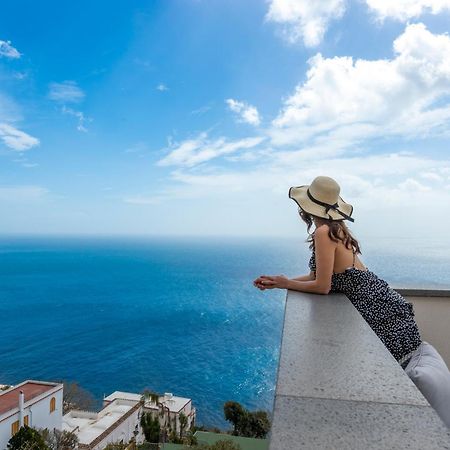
(9, 399)
(174, 403)
(89, 425)
(338, 387)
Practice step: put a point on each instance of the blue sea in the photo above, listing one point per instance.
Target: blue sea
(171, 315)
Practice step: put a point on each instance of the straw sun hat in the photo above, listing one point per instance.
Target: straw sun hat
(321, 199)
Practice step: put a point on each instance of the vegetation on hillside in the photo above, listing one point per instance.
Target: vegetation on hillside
(254, 424)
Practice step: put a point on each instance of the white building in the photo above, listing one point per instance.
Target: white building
(118, 421)
(38, 404)
(170, 403)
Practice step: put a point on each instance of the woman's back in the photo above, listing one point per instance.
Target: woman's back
(389, 315)
(345, 258)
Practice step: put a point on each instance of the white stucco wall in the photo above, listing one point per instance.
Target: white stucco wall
(124, 432)
(39, 416)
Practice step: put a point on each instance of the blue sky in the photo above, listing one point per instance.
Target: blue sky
(194, 117)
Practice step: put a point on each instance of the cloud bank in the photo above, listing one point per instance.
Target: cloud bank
(305, 20)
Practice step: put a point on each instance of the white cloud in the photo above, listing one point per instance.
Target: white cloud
(16, 139)
(22, 193)
(162, 87)
(433, 176)
(8, 51)
(403, 10)
(202, 110)
(10, 134)
(195, 151)
(412, 185)
(360, 99)
(9, 110)
(305, 20)
(20, 75)
(66, 92)
(82, 119)
(247, 113)
(328, 127)
(377, 182)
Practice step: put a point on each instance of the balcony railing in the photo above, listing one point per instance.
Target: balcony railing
(339, 388)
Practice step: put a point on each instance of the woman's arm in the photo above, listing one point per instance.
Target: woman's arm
(310, 277)
(260, 282)
(321, 284)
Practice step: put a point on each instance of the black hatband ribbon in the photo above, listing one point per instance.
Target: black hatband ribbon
(334, 207)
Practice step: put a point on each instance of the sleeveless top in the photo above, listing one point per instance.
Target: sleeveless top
(389, 315)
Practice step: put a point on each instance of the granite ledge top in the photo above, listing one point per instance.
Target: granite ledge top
(339, 387)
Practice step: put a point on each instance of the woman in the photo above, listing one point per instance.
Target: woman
(335, 267)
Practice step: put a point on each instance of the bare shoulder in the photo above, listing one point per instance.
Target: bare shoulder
(321, 235)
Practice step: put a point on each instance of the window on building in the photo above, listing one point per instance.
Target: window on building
(52, 404)
(26, 421)
(14, 427)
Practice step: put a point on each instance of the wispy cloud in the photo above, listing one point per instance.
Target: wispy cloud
(162, 87)
(305, 20)
(246, 113)
(24, 162)
(140, 147)
(22, 193)
(16, 139)
(201, 110)
(82, 119)
(9, 109)
(192, 152)
(20, 75)
(8, 51)
(394, 177)
(66, 92)
(403, 10)
(142, 199)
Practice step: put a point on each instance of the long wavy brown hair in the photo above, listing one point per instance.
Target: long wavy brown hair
(337, 232)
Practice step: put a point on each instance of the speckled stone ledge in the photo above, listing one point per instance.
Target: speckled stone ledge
(339, 388)
(444, 293)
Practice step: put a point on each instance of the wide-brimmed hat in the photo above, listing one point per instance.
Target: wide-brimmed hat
(321, 199)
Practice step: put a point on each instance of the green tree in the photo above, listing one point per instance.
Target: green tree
(163, 411)
(259, 424)
(59, 440)
(150, 427)
(190, 440)
(116, 446)
(236, 414)
(174, 438)
(183, 423)
(246, 423)
(27, 439)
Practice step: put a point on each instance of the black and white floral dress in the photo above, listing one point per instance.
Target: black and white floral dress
(389, 315)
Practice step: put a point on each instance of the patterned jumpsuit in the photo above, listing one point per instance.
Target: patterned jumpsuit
(389, 315)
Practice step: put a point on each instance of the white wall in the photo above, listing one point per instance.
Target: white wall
(38, 413)
(124, 432)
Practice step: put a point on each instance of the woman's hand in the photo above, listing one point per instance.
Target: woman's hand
(264, 282)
